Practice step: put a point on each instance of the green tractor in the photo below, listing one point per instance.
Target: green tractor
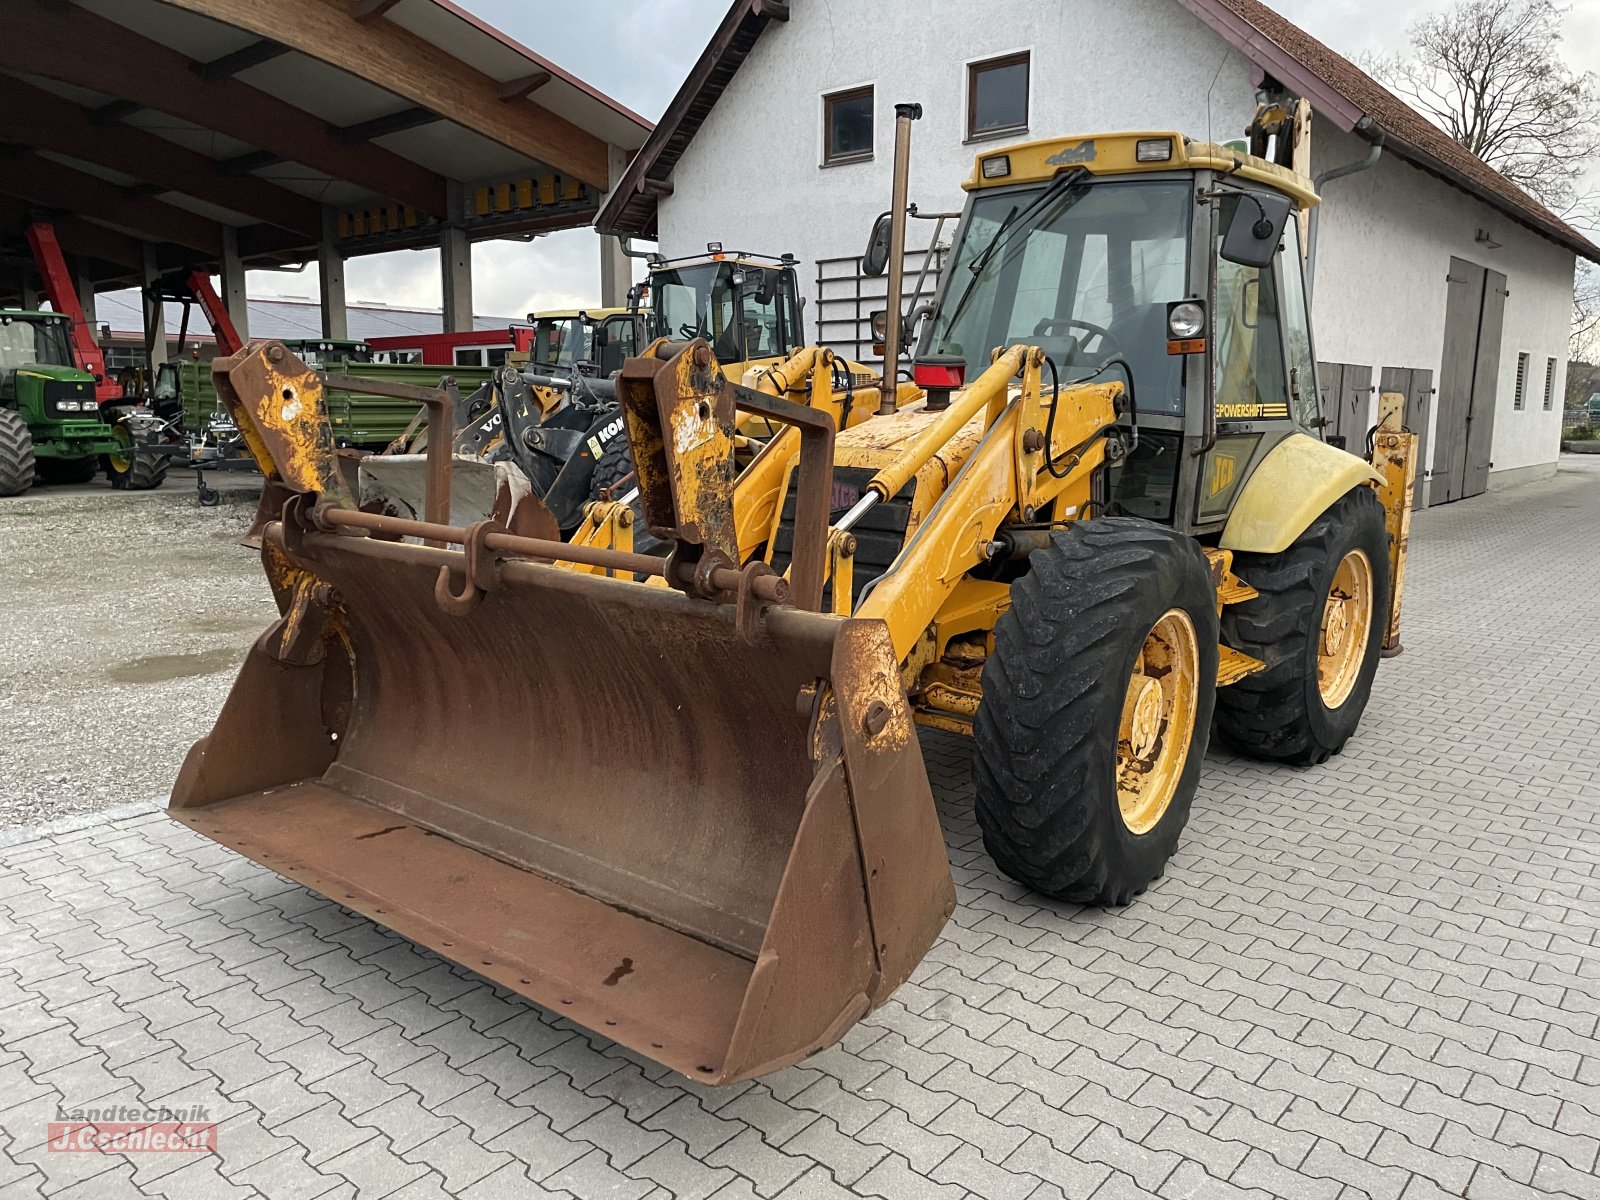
(50, 421)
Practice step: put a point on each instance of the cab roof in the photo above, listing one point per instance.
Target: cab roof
(1117, 154)
(568, 314)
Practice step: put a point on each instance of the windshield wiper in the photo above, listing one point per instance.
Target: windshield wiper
(1013, 219)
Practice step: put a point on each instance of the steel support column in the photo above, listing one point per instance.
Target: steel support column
(455, 264)
(234, 295)
(330, 270)
(155, 316)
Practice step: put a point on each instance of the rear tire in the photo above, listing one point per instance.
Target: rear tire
(17, 467)
(1290, 712)
(1060, 785)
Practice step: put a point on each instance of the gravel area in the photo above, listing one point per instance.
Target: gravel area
(126, 616)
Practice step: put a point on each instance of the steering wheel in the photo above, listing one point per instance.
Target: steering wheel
(690, 332)
(1049, 325)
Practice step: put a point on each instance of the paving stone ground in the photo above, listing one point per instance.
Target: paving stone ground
(1379, 977)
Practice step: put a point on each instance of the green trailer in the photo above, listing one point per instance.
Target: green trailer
(359, 419)
(50, 422)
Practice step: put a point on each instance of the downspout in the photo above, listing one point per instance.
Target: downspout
(1368, 129)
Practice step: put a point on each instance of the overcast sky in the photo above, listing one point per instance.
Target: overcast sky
(638, 51)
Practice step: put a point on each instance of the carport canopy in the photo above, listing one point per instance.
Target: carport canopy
(160, 136)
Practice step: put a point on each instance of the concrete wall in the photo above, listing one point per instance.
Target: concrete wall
(752, 178)
(1387, 238)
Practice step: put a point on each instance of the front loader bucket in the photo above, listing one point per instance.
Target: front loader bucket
(715, 845)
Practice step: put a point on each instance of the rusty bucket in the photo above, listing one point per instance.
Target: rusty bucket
(701, 830)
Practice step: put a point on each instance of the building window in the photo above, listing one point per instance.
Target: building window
(1520, 396)
(1549, 384)
(997, 96)
(847, 126)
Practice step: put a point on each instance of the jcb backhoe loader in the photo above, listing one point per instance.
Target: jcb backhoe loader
(1107, 519)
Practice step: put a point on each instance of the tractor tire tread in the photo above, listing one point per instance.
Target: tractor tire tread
(1053, 694)
(1266, 715)
(18, 467)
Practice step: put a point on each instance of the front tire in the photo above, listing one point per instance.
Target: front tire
(129, 470)
(1097, 706)
(17, 467)
(1318, 624)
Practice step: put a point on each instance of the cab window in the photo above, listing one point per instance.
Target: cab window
(1247, 340)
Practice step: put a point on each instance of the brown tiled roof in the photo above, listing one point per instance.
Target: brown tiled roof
(1338, 88)
(1339, 91)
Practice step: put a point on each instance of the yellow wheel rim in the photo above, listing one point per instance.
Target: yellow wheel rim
(1157, 721)
(1346, 626)
(122, 458)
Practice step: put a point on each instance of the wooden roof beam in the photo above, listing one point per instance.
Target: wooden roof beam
(257, 52)
(395, 122)
(35, 117)
(150, 75)
(39, 180)
(397, 60)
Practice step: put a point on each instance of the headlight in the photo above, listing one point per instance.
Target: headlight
(68, 406)
(1186, 320)
(880, 325)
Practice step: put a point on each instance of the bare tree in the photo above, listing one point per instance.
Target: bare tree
(1490, 73)
(1585, 345)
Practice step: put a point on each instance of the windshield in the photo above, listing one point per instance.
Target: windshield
(33, 341)
(1084, 274)
(562, 341)
(698, 301)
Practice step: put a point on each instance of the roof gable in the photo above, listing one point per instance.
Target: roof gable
(1339, 91)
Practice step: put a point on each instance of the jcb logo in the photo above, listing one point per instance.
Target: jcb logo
(1222, 471)
(1083, 152)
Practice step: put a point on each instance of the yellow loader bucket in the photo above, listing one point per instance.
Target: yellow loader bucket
(698, 825)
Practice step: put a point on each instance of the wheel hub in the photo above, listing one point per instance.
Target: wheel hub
(1145, 727)
(1157, 726)
(1346, 629)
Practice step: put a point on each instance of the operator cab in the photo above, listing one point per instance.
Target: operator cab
(589, 341)
(39, 341)
(746, 305)
(1171, 265)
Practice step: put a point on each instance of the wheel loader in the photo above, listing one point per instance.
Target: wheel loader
(681, 799)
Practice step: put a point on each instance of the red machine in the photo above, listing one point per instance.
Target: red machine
(441, 348)
(63, 296)
(198, 285)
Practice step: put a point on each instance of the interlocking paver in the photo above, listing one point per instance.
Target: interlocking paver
(1372, 978)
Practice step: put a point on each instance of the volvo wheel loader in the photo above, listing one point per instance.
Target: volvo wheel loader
(1105, 524)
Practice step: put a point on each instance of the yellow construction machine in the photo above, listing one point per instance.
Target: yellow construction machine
(681, 800)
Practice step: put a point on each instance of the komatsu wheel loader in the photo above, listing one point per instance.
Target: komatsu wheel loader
(1106, 522)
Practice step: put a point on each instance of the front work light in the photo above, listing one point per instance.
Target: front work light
(1186, 327)
(1153, 150)
(997, 167)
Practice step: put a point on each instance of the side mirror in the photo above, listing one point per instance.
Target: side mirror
(1256, 229)
(876, 259)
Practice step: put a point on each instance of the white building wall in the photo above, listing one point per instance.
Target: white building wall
(1387, 237)
(752, 178)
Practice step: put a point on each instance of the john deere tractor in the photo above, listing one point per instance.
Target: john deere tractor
(50, 424)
